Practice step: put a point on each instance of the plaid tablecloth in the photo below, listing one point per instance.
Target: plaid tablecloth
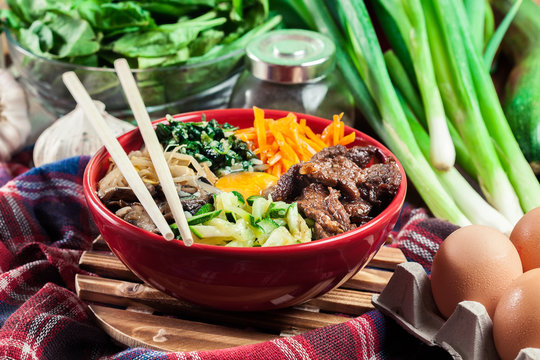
(45, 226)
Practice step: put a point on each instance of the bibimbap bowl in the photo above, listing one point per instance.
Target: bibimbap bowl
(232, 278)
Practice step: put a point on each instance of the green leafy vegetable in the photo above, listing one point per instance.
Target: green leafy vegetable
(209, 142)
(149, 34)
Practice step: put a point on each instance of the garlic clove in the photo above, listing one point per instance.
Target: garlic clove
(10, 136)
(73, 135)
(5, 153)
(13, 105)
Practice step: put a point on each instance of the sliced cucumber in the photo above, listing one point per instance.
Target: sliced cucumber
(252, 198)
(206, 208)
(268, 225)
(204, 217)
(243, 232)
(240, 197)
(258, 209)
(207, 231)
(277, 210)
(250, 223)
(280, 236)
(292, 218)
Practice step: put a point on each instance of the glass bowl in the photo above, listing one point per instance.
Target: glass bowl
(169, 90)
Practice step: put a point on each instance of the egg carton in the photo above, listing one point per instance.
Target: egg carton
(467, 334)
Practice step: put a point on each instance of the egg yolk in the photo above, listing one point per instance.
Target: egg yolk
(246, 183)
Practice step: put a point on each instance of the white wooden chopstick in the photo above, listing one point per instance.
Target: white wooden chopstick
(118, 154)
(155, 149)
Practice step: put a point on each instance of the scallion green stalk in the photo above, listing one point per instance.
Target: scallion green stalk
(392, 124)
(496, 39)
(462, 105)
(468, 200)
(489, 24)
(476, 16)
(405, 86)
(515, 165)
(409, 18)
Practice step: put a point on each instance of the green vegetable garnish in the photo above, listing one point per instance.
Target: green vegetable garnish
(211, 143)
(236, 223)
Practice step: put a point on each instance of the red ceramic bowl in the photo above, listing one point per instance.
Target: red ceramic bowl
(243, 279)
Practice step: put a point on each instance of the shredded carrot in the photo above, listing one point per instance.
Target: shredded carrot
(260, 129)
(274, 159)
(284, 142)
(346, 140)
(337, 131)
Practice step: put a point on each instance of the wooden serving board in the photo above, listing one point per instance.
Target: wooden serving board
(136, 314)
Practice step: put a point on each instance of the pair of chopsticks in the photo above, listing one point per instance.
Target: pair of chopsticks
(121, 159)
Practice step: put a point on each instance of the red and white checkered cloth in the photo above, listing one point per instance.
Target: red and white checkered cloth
(44, 227)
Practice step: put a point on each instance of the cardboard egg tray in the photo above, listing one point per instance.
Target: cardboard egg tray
(467, 334)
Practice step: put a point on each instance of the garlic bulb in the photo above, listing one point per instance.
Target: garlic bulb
(14, 120)
(73, 135)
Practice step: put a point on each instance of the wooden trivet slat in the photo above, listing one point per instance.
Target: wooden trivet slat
(138, 315)
(128, 294)
(171, 334)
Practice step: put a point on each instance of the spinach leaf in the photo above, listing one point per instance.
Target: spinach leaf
(59, 36)
(114, 16)
(31, 10)
(205, 41)
(150, 62)
(164, 40)
(38, 38)
(148, 33)
(210, 142)
(10, 19)
(74, 37)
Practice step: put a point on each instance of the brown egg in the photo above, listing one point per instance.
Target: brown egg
(474, 263)
(516, 324)
(526, 239)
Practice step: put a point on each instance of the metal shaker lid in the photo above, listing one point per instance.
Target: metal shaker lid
(290, 56)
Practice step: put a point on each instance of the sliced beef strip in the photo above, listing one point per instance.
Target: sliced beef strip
(322, 204)
(193, 205)
(337, 172)
(124, 203)
(319, 232)
(136, 215)
(360, 155)
(124, 193)
(358, 210)
(330, 152)
(289, 185)
(363, 155)
(336, 209)
(380, 183)
(163, 206)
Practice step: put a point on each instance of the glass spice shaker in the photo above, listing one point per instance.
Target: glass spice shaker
(293, 70)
